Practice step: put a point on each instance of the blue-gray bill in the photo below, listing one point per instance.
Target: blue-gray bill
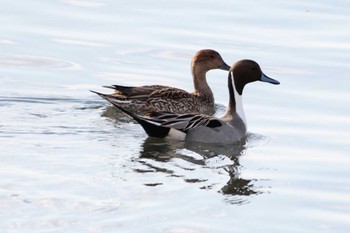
(267, 79)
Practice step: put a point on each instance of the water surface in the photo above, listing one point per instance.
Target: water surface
(70, 163)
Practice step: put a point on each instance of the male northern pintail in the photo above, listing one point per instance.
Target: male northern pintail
(163, 98)
(229, 128)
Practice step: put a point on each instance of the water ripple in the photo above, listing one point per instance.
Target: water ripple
(47, 100)
(83, 3)
(25, 61)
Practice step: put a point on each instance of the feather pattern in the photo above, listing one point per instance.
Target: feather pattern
(183, 122)
(147, 98)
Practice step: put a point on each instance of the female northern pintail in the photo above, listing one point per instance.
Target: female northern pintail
(229, 128)
(163, 98)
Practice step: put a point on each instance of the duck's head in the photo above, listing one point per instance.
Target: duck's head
(247, 71)
(208, 59)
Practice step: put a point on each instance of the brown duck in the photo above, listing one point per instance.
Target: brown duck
(164, 98)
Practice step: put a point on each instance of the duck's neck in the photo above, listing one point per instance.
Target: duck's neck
(235, 105)
(201, 87)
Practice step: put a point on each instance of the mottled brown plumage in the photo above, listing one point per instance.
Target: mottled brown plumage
(165, 98)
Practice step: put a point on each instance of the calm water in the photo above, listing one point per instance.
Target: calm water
(67, 165)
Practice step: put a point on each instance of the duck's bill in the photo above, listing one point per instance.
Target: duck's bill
(224, 66)
(264, 78)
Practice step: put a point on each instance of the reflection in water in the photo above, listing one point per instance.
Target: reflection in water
(198, 156)
(115, 114)
(238, 186)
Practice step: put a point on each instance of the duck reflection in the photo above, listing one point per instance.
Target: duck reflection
(223, 158)
(238, 186)
(113, 113)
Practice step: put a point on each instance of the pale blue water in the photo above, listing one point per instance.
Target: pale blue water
(68, 166)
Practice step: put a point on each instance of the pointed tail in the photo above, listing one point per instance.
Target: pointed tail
(151, 128)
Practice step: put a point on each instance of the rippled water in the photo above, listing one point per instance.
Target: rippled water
(71, 163)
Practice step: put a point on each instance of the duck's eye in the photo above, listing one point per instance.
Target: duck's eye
(212, 56)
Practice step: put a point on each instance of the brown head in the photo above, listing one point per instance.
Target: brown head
(247, 71)
(208, 59)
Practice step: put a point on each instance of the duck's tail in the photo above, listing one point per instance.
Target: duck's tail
(152, 128)
(114, 99)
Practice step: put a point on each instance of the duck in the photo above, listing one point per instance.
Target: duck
(194, 127)
(165, 98)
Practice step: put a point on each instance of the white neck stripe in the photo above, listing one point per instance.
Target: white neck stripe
(238, 101)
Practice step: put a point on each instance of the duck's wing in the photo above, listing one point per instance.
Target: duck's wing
(160, 124)
(170, 93)
(182, 122)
